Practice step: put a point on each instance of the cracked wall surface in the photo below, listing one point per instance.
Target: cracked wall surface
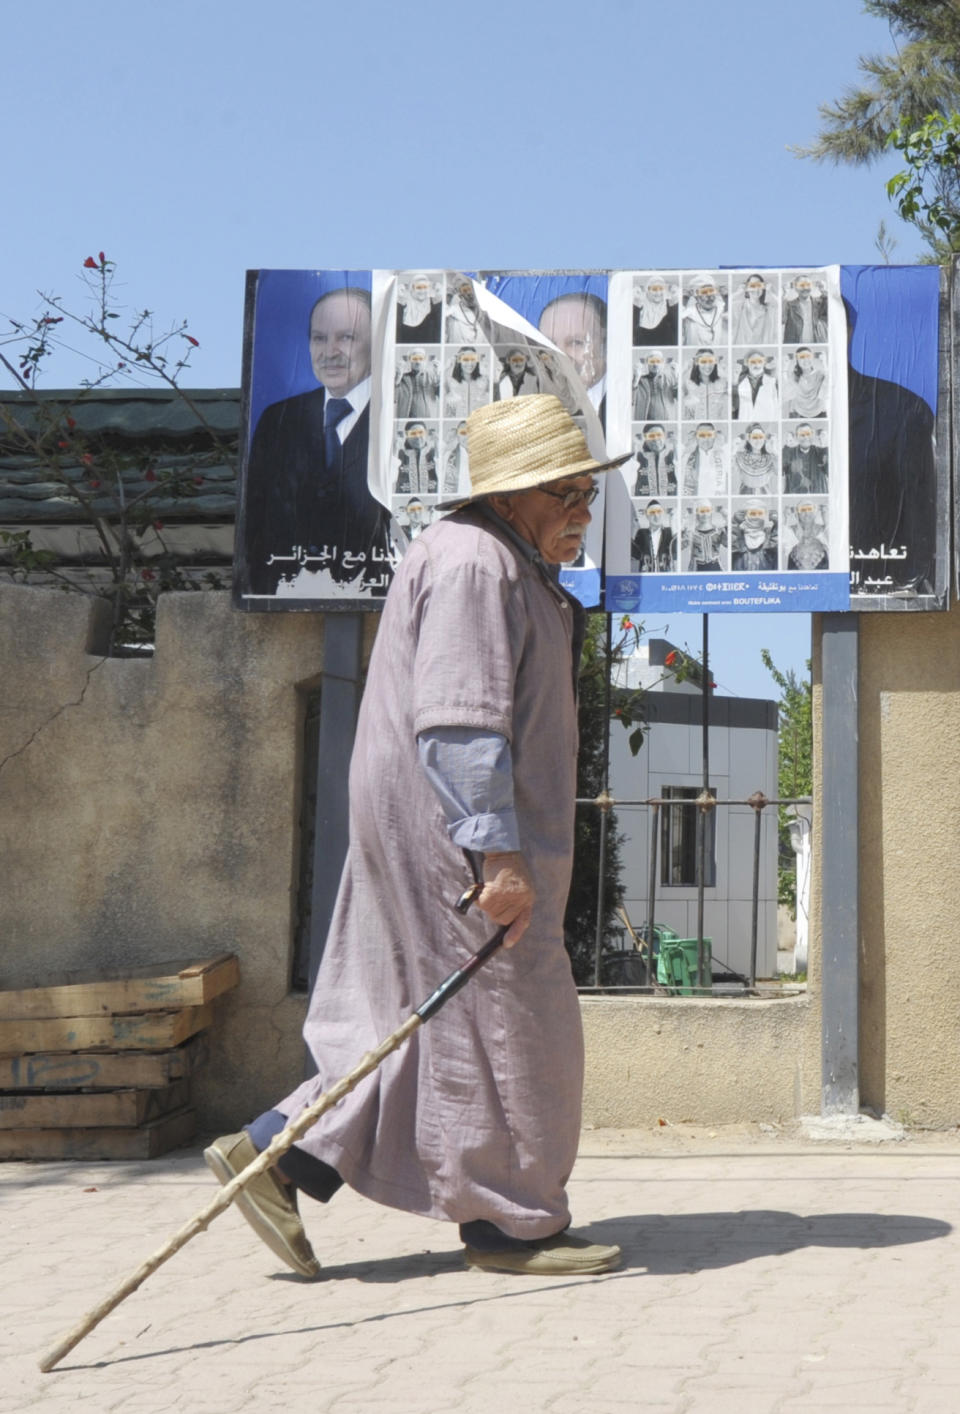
(149, 812)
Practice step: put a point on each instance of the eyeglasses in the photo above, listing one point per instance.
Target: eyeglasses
(573, 498)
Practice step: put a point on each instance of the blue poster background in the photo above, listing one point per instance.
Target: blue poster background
(728, 593)
(281, 352)
(899, 498)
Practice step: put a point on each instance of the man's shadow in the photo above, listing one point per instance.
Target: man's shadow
(654, 1244)
(669, 1243)
(663, 1244)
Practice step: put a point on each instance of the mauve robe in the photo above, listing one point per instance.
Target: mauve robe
(478, 1114)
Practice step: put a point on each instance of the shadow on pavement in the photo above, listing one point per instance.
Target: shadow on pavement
(653, 1245)
(665, 1243)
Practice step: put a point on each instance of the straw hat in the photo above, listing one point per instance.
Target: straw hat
(524, 442)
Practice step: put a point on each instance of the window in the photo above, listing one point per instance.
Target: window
(678, 839)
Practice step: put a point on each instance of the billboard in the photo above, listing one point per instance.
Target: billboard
(782, 444)
(736, 493)
(899, 400)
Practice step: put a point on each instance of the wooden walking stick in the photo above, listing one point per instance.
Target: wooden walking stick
(282, 1141)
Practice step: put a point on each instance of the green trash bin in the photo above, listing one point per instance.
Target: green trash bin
(661, 934)
(627, 966)
(677, 964)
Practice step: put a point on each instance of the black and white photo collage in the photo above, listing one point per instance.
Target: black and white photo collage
(730, 421)
(449, 359)
(443, 370)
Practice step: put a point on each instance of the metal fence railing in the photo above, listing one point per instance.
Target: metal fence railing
(645, 938)
(704, 803)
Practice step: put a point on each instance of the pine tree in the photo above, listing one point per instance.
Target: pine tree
(922, 77)
(795, 773)
(919, 80)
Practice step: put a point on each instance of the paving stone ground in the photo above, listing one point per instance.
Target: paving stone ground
(764, 1273)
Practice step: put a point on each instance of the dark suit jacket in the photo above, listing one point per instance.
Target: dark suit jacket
(292, 499)
(793, 321)
(893, 481)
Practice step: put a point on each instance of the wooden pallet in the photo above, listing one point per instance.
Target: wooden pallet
(96, 1066)
(145, 1141)
(143, 1031)
(168, 987)
(100, 1109)
(103, 1070)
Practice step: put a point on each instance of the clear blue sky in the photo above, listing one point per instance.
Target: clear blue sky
(193, 141)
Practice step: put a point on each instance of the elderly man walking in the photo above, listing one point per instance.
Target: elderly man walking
(465, 759)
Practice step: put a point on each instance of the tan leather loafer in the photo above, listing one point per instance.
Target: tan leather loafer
(562, 1255)
(269, 1206)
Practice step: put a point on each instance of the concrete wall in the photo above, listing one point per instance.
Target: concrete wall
(684, 1059)
(910, 866)
(148, 813)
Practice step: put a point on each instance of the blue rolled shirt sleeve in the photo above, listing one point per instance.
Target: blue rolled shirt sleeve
(472, 774)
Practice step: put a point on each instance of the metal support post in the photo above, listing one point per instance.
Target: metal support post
(704, 972)
(839, 852)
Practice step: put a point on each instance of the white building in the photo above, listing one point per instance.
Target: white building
(742, 753)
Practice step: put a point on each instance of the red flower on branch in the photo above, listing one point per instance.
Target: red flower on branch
(149, 474)
(191, 340)
(71, 423)
(94, 484)
(158, 525)
(671, 658)
(90, 263)
(87, 459)
(103, 258)
(147, 574)
(63, 445)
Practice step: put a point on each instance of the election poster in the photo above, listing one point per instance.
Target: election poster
(357, 388)
(899, 403)
(734, 384)
(782, 445)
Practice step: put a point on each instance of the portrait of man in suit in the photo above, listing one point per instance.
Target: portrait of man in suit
(577, 323)
(307, 498)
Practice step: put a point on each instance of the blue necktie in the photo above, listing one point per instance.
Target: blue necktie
(334, 411)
